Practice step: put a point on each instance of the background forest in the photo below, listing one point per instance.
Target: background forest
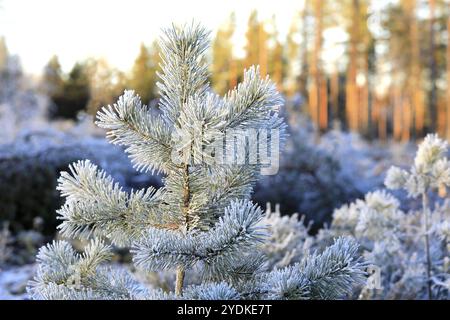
(364, 81)
(384, 76)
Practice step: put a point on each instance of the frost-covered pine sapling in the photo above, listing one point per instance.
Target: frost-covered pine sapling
(202, 218)
(431, 171)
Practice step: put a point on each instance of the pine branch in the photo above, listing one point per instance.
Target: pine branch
(146, 137)
(211, 291)
(333, 273)
(64, 274)
(96, 205)
(253, 102)
(183, 74)
(236, 233)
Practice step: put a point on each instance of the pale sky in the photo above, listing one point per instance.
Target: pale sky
(114, 29)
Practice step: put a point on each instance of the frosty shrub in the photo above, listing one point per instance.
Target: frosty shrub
(202, 218)
(31, 165)
(289, 240)
(310, 181)
(411, 249)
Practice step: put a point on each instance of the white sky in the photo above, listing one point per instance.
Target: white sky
(113, 29)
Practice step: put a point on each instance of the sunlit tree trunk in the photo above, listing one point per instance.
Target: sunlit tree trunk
(448, 80)
(415, 83)
(363, 95)
(397, 113)
(382, 118)
(315, 87)
(323, 107)
(303, 79)
(262, 50)
(334, 94)
(232, 79)
(351, 86)
(406, 125)
(433, 66)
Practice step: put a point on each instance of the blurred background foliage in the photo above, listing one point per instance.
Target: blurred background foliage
(354, 106)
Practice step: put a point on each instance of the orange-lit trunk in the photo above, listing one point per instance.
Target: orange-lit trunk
(303, 79)
(397, 113)
(448, 80)
(364, 98)
(262, 50)
(315, 88)
(352, 99)
(334, 94)
(382, 117)
(323, 108)
(232, 80)
(433, 66)
(406, 126)
(415, 87)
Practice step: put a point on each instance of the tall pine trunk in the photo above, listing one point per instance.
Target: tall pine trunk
(433, 66)
(316, 83)
(448, 79)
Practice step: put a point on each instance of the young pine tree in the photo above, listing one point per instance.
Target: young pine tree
(202, 219)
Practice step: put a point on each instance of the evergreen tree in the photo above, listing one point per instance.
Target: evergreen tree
(256, 45)
(52, 79)
(105, 82)
(3, 53)
(202, 218)
(222, 57)
(75, 94)
(276, 57)
(11, 74)
(143, 75)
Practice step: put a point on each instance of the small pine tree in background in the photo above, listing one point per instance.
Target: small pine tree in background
(202, 219)
(410, 249)
(74, 95)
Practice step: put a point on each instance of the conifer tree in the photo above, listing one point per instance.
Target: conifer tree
(52, 80)
(75, 94)
(143, 75)
(3, 53)
(222, 57)
(202, 219)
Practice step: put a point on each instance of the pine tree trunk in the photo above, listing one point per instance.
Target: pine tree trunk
(415, 87)
(364, 96)
(179, 280)
(397, 113)
(382, 117)
(351, 87)
(323, 107)
(334, 94)
(406, 126)
(232, 79)
(262, 54)
(448, 80)
(314, 93)
(433, 67)
(303, 79)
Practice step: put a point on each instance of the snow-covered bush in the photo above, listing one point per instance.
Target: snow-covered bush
(410, 248)
(30, 166)
(289, 240)
(202, 218)
(311, 181)
(20, 104)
